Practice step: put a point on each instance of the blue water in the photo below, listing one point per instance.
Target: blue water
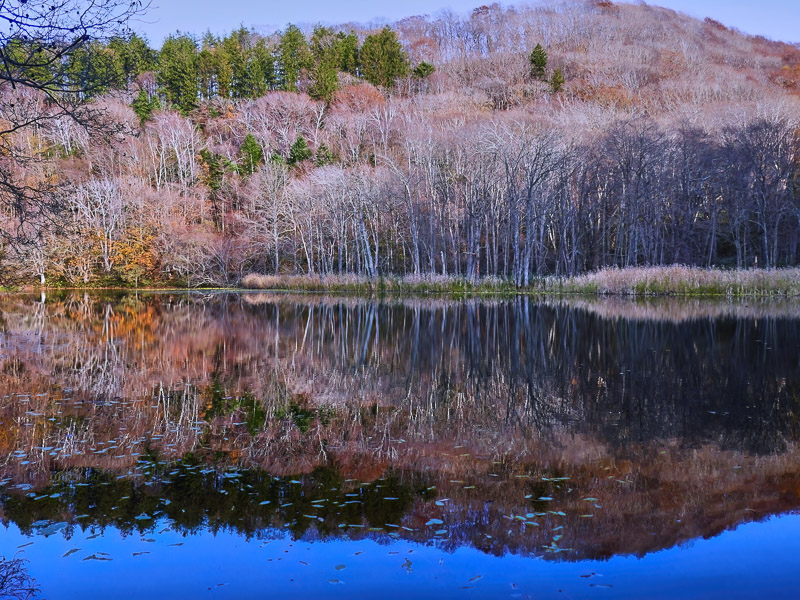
(756, 560)
(226, 446)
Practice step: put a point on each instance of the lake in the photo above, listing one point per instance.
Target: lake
(222, 445)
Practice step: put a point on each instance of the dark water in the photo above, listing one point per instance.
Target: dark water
(256, 446)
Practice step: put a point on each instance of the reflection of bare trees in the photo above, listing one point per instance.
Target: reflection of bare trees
(15, 582)
(510, 371)
(650, 416)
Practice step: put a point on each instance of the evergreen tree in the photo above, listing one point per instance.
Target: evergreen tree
(293, 56)
(134, 56)
(177, 72)
(214, 167)
(324, 156)
(299, 151)
(142, 106)
(262, 70)
(209, 72)
(324, 81)
(557, 81)
(348, 52)
(95, 68)
(423, 70)
(251, 155)
(383, 59)
(538, 61)
(326, 50)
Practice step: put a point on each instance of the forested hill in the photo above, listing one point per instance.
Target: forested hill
(509, 142)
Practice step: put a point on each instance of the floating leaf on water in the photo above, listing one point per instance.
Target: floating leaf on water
(476, 578)
(302, 562)
(340, 567)
(391, 498)
(263, 503)
(545, 498)
(590, 499)
(434, 522)
(335, 582)
(178, 544)
(23, 545)
(140, 553)
(68, 552)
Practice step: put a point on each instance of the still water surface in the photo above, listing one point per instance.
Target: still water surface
(265, 446)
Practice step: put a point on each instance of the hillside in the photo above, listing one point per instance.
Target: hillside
(631, 135)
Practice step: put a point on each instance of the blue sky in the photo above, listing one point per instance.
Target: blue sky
(777, 19)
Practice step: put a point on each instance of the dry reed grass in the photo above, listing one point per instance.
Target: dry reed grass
(682, 280)
(673, 280)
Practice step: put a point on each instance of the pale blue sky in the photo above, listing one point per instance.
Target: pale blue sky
(777, 19)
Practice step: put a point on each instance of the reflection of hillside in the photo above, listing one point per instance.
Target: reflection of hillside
(678, 429)
(675, 310)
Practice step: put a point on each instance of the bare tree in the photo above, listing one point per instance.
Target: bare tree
(37, 37)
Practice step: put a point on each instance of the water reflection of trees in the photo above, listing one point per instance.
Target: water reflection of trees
(15, 582)
(288, 386)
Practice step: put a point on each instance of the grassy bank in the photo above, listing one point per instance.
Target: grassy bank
(675, 280)
(353, 284)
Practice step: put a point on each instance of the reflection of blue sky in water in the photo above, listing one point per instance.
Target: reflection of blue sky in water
(757, 560)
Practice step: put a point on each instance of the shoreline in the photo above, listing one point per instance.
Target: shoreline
(633, 282)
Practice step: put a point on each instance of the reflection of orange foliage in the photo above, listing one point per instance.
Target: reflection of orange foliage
(360, 467)
(133, 320)
(8, 439)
